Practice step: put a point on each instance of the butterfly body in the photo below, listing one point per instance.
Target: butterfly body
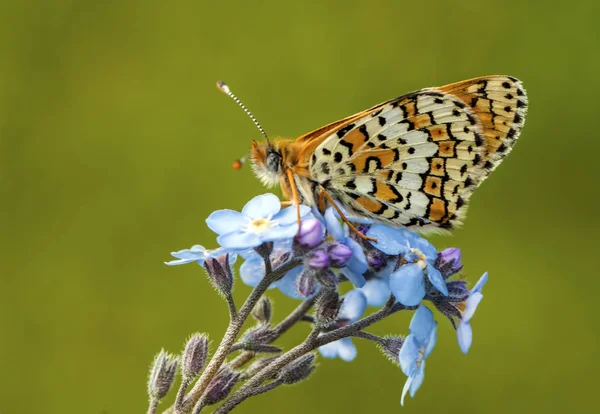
(413, 161)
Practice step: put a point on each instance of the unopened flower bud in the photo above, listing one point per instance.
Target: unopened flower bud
(327, 308)
(259, 335)
(262, 310)
(194, 356)
(318, 260)
(327, 278)
(339, 254)
(310, 234)
(220, 273)
(162, 375)
(306, 284)
(221, 385)
(376, 260)
(298, 370)
(448, 262)
(390, 347)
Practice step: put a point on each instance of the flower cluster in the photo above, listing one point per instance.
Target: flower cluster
(387, 268)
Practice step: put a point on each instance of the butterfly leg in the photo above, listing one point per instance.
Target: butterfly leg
(295, 197)
(323, 193)
(286, 204)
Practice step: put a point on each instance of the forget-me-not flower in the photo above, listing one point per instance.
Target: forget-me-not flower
(198, 254)
(261, 220)
(408, 282)
(416, 348)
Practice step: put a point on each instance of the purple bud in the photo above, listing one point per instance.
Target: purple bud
(219, 272)
(194, 356)
(448, 262)
(310, 233)
(162, 375)
(376, 260)
(339, 254)
(318, 260)
(306, 284)
(221, 385)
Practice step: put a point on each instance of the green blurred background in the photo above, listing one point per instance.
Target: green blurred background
(116, 145)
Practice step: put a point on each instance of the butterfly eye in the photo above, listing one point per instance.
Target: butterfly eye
(273, 161)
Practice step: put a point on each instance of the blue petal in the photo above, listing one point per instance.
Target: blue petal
(418, 379)
(334, 228)
(356, 279)
(376, 291)
(422, 324)
(408, 355)
(182, 262)
(346, 349)
(405, 389)
(464, 334)
(252, 271)
(471, 306)
(343, 348)
(354, 305)
(239, 240)
(431, 342)
(407, 284)
(226, 221)
(480, 283)
(417, 242)
(277, 233)
(389, 240)
(262, 206)
(358, 260)
(289, 215)
(436, 279)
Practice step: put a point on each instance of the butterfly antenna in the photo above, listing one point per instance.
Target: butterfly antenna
(225, 89)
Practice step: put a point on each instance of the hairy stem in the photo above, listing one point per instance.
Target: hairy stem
(185, 383)
(152, 406)
(232, 333)
(231, 306)
(250, 393)
(312, 342)
(295, 316)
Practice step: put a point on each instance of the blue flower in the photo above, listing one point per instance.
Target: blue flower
(261, 220)
(464, 332)
(377, 290)
(408, 282)
(352, 309)
(357, 264)
(416, 348)
(199, 255)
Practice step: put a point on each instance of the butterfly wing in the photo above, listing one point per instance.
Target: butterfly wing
(415, 160)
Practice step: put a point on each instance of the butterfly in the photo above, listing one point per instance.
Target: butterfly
(412, 161)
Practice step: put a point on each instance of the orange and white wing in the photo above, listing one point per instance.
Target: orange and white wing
(415, 160)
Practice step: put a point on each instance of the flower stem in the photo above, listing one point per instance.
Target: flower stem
(231, 334)
(312, 342)
(185, 383)
(152, 406)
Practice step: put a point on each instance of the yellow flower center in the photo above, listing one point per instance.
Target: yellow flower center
(258, 225)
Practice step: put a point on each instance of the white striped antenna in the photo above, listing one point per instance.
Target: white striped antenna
(225, 89)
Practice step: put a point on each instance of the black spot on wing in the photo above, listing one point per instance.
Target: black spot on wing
(343, 131)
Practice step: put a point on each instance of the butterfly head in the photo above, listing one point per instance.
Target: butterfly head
(267, 162)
